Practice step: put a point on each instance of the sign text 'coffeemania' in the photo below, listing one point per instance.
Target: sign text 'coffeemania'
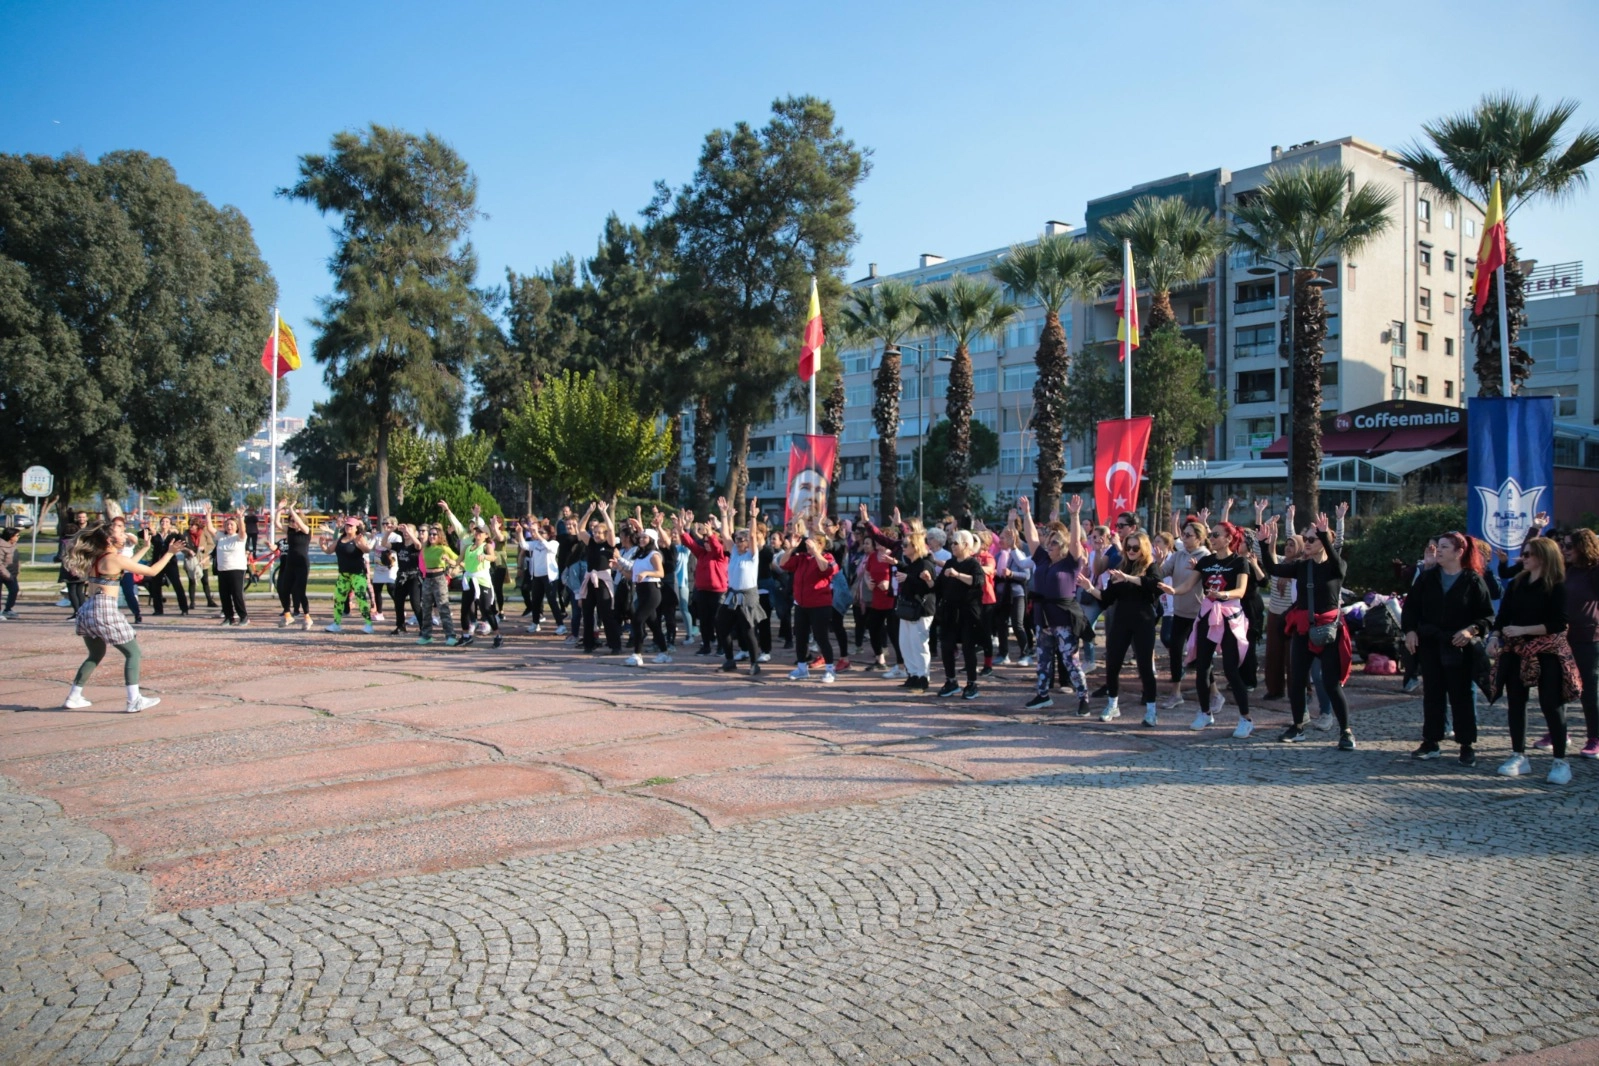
(1445, 416)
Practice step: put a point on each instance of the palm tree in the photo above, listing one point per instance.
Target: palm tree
(965, 310)
(1174, 244)
(1051, 271)
(1301, 216)
(1522, 141)
(885, 314)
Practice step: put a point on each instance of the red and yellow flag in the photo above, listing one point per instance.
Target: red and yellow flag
(283, 348)
(1127, 313)
(810, 359)
(1491, 253)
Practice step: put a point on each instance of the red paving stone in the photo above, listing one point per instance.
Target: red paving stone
(447, 842)
(583, 727)
(685, 755)
(810, 784)
(410, 693)
(490, 710)
(120, 728)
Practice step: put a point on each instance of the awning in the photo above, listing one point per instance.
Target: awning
(1401, 463)
(1421, 438)
(1357, 442)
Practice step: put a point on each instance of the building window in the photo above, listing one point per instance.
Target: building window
(858, 396)
(1567, 452)
(1014, 420)
(1449, 390)
(856, 362)
(1018, 460)
(1420, 385)
(1449, 303)
(1565, 407)
(1398, 377)
(857, 429)
(1256, 386)
(988, 417)
(1423, 341)
(1256, 433)
(856, 467)
(1449, 220)
(1349, 277)
(1018, 378)
(1255, 296)
(1424, 210)
(1024, 334)
(1424, 259)
(1449, 346)
(1449, 262)
(983, 380)
(1471, 227)
(1255, 340)
(1424, 303)
(1551, 347)
(985, 342)
(1329, 375)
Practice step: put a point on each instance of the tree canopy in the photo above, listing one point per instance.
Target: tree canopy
(581, 437)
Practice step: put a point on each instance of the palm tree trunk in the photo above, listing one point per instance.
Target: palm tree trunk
(672, 476)
(704, 445)
(958, 409)
(384, 429)
(832, 423)
(1049, 413)
(885, 409)
(1160, 311)
(738, 474)
(1310, 334)
(1485, 332)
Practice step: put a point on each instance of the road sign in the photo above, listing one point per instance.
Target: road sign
(37, 481)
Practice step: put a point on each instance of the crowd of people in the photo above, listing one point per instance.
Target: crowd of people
(1233, 606)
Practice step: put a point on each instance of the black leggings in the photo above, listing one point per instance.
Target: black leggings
(1139, 634)
(542, 590)
(171, 574)
(408, 587)
(599, 611)
(230, 583)
(1230, 664)
(293, 572)
(733, 626)
(1445, 693)
(703, 607)
(812, 623)
(1551, 700)
(1299, 660)
(1011, 616)
(1180, 628)
(960, 628)
(647, 612)
(477, 599)
(881, 622)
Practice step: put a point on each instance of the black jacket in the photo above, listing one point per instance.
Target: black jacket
(1432, 614)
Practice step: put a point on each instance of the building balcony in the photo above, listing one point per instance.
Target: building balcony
(1253, 395)
(1246, 307)
(1249, 351)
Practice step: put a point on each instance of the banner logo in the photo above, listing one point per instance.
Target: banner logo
(1507, 514)
(1510, 467)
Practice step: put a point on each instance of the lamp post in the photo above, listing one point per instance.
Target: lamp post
(922, 362)
(1320, 283)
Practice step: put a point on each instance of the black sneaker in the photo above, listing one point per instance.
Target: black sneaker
(1428, 750)
(1100, 693)
(728, 666)
(1293, 734)
(1467, 756)
(909, 682)
(969, 692)
(755, 668)
(1083, 710)
(986, 671)
(499, 641)
(922, 684)
(703, 651)
(1346, 741)
(951, 688)
(1038, 703)
(464, 641)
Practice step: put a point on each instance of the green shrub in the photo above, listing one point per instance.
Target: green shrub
(422, 502)
(1401, 534)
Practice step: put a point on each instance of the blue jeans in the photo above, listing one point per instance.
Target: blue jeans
(130, 593)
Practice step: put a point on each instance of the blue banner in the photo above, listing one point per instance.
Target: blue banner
(1510, 467)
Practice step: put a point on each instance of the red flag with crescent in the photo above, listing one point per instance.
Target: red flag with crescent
(1119, 466)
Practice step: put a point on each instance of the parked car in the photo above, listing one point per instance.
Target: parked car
(16, 521)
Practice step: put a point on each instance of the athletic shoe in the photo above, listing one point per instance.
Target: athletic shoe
(1293, 734)
(1346, 741)
(1099, 693)
(1412, 685)
(1026, 660)
(243, 622)
(969, 692)
(143, 703)
(741, 656)
(1515, 766)
(764, 657)
(1325, 722)
(1427, 750)
(63, 602)
(483, 629)
(451, 642)
(1007, 661)
(1170, 703)
(1545, 741)
(1202, 720)
(499, 640)
(986, 671)
(424, 640)
(560, 631)
(1038, 703)
(818, 662)
(841, 664)
(1217, 702)
(663, 657)
(305, 623)
(1245, 727)
(283, 623)
(227, 621)
(367, 629)
(1467, 756)
(728, 666)
(397, 631)
(922, 684)
(705, 650)
(894, 673)
(334, 628)
(76, 703)
(465, 639)
(377, 616)
(755, 669)
(1559, 773)
(1590, 750)
(1112, 710)
(533, 629)
(1083, 710)
(828, 676)
(951, 688)
(799, 673)
(632, 660)
(1151, 719)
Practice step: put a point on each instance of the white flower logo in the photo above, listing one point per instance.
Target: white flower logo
(1507, 513)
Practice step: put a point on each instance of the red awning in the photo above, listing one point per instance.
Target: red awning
(1419, 438)
(1357, 442)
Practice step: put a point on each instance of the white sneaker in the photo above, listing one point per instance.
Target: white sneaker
(482, 629)
(1112, 710)
(1245, 727)
(335, 628)
(1560, 773)
(664, 657)
(1325, 722)
(1171, 702)
(1217, 702)
(764, 657)
(143, 703)
(560, 631)
(632, 660)
(799, 673)
(76, 703)
(1515, 766)
(1150, 719)
(828, 677)
(1027, 660)
(367, 629)
(894, 673)
(741, 657)
(1007, 661)
(534, 628)
(377, 616)
(1202, 720)
(63, 602)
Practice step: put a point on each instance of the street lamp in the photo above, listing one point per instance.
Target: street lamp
(943, 355)
(1318, 282)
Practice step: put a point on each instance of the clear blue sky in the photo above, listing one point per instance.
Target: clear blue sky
(984, 120)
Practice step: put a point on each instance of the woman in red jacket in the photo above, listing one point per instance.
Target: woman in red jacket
(812, 568)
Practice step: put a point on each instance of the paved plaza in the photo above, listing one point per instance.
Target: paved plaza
(351, 849)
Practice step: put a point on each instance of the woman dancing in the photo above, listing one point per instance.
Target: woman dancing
(97, 558)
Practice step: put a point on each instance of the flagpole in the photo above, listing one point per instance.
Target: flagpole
(1504, 317)
(1130, 305)
(812, 421)
(272, 437)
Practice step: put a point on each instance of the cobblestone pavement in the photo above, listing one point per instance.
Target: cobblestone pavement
(1163, 900)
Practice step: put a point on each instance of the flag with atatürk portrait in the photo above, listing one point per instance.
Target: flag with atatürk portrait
(810, 467)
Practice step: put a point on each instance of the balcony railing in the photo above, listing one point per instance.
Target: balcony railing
(1252, 395)
(1244, 307)
(1247, 351)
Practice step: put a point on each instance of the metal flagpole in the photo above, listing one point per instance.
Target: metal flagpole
(1504, 317)
(1129, 310)
(272, 437)
(812, 421)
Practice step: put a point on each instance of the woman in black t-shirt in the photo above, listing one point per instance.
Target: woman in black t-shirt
(294, 569)
(1223, 579)
(960, 605)
(1319, 573)
(1532, 625)
(1133, 588)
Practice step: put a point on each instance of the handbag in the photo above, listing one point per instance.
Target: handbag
(1324, 635)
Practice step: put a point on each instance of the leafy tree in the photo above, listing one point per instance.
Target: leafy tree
(324, 449)
(581, 437)
(543, 335)
(1098, 386)
(132, 313)
(884, 314)
(1401, 535)
(766, 211)
(1303, 215)
(412, 457)
(1051, 271)
(1174, 244)
(459, 492)
(831, 418)
(1172, 385)
(399, 333)
(1521, 139)
(965, 310)
(465, 456)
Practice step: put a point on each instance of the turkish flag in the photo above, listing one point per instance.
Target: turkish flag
(1119, 466)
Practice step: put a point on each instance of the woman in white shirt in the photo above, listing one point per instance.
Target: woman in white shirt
(644, 573)
(232, 564)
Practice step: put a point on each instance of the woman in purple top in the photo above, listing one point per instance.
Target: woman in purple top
(1057, 556)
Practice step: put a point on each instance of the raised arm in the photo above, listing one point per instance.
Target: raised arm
(1074, 528)
(1024, 508)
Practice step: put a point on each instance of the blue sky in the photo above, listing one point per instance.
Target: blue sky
(984, 120)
